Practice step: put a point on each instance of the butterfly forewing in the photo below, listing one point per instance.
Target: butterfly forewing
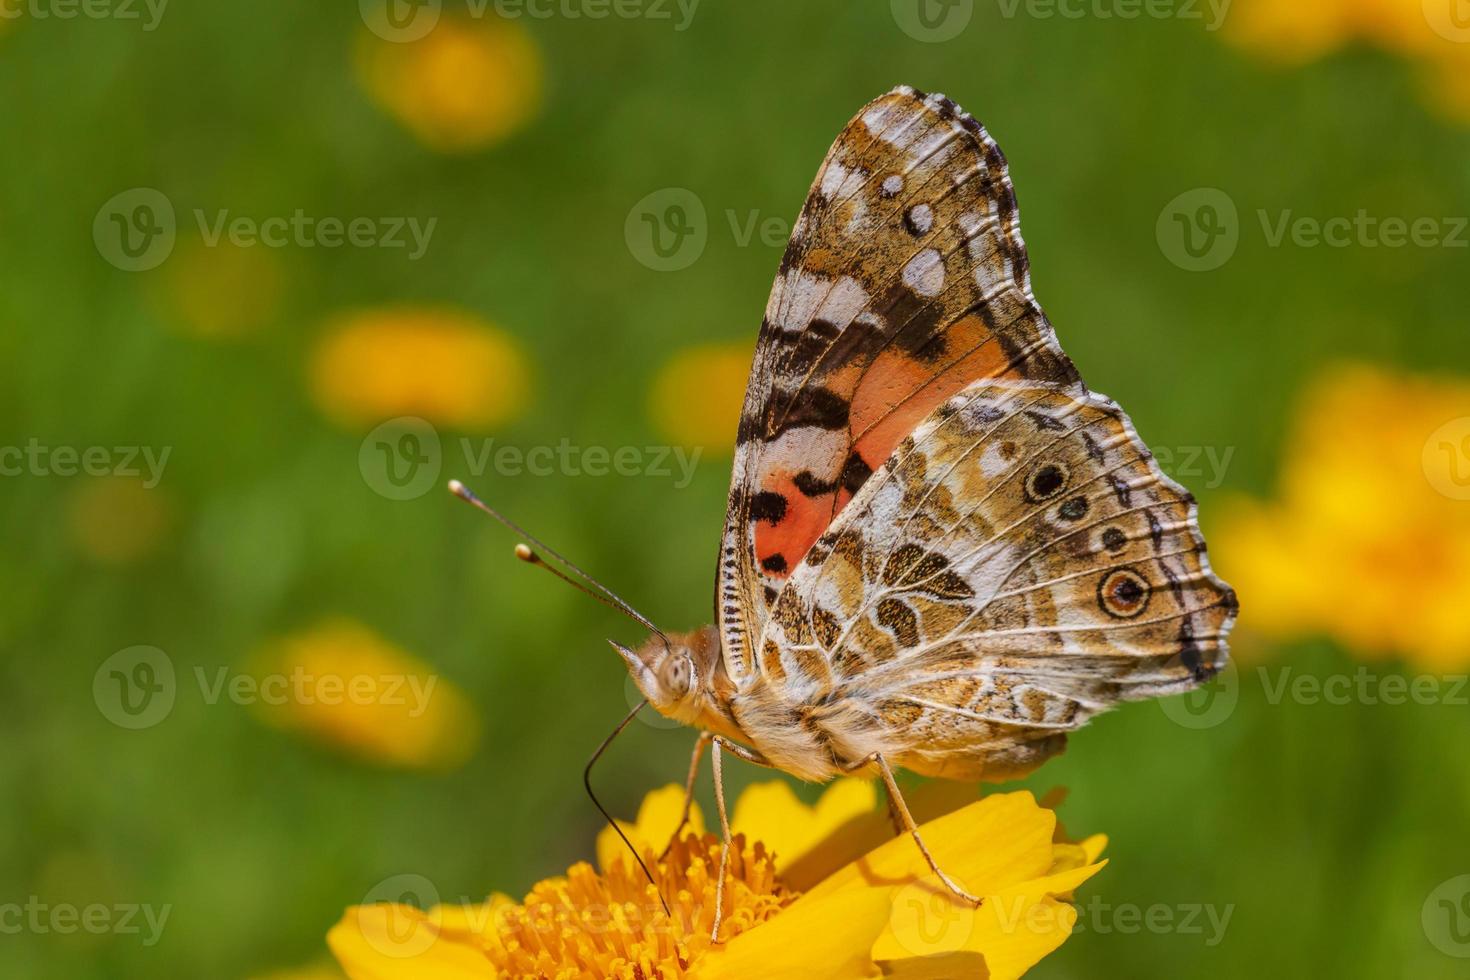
(906, 279)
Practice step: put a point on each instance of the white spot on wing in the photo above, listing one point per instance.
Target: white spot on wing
(921, 217)
(925, 273)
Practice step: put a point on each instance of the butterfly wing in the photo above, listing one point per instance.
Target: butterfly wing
(905, 280)
(1019, 564)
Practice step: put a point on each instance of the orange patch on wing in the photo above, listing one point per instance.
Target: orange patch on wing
(792, 537)
(900, 390)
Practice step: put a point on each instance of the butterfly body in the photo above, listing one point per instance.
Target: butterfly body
(942, 551)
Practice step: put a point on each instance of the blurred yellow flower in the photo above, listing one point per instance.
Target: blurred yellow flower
(1368, 541)
(465, 85)
(695, 399)
(862, 905)
(323, 972)
(1431, 32)
(220, 292)
(116, 520)
(343, 684)
(447, 366)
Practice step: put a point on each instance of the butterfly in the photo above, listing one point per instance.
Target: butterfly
(942, 551)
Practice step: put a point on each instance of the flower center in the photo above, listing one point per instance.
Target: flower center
(613, 924)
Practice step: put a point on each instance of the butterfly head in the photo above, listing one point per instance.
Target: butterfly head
(675, 676)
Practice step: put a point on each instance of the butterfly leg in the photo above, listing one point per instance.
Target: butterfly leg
(900, 811)
(699, 746)
(749, 755)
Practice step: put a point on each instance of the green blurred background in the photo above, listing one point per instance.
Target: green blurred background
(1323, 829)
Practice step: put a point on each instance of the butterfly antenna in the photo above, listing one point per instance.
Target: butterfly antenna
(587, 782)
(602, 594)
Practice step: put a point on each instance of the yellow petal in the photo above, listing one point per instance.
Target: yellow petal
(400, 942)
(658, 817)
(1000, 847)
(771, 813)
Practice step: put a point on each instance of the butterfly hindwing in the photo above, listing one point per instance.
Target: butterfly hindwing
(906, 279)
(1018, 564)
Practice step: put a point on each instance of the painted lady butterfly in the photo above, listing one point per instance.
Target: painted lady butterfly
(942, 551)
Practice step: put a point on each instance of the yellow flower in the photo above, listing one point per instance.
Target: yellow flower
(465, 85)
(446, 366)
(1368, 540)
(220, 292)
(343, 684)
(851, 901)
(323, 972)
(695, 400)
(115, 520)
(1426, 31)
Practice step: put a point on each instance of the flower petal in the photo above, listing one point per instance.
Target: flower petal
(1000, 847)
(400, 942)
(771, 813)
(658, 817)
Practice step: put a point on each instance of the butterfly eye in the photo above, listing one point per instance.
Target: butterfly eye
(1123, 593)
(677, 675)
(1046, 481)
